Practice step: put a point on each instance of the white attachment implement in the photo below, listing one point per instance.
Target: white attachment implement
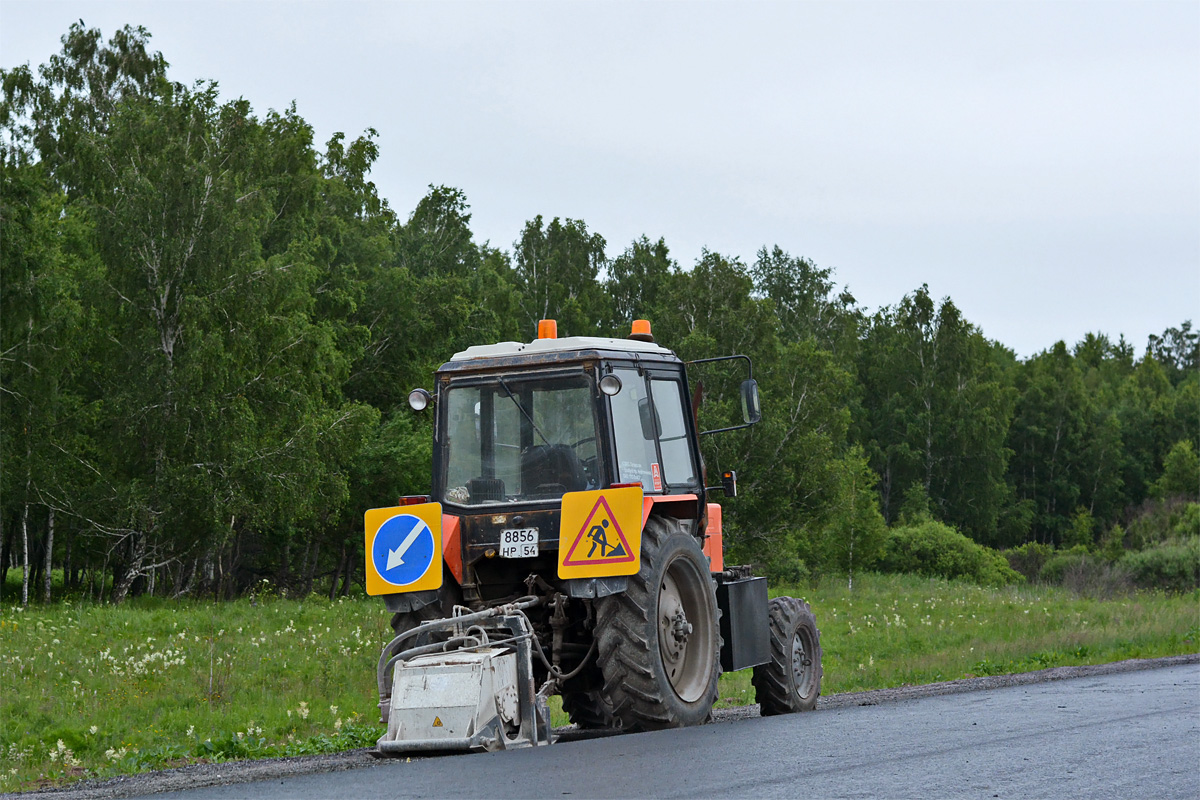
(461, 700)
(475, 694)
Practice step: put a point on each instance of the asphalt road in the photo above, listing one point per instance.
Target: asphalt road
(1132, 734)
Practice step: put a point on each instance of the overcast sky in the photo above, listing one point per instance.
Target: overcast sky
(1037, 162)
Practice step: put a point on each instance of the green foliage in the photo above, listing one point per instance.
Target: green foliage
(935, 549)
(1189, 521)
(1057, 565)
(640, 282)
(556, 267)
(853, 539)
(782, 560)
(1047, 438)
(1081, 530)
(805, 303)
(800, 491)
(936, 406)
(1157, 521)
(1181, 473)
(1029, 558)
(1178, 350)
(1171, 567)
(1112, 545)
(915, 507)
(1085, 574)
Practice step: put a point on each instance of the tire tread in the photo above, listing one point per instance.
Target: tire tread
(773, 688)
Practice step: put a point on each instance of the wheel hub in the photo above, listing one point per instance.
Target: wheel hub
(674, 629)
(801, 664)
(680, 627)
(685, 637)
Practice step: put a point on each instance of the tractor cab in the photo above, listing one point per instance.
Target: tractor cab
(519, 425)
(523, 429)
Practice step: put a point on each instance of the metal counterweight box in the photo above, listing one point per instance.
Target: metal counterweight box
(745, 630)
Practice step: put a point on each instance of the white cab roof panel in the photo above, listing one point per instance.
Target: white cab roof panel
(564, 344)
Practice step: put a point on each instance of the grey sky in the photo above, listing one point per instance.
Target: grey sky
(1037, 162)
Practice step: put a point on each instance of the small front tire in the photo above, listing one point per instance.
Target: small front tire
(791, 680)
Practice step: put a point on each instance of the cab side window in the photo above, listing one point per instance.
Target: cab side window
(678, 465)
(633, 430)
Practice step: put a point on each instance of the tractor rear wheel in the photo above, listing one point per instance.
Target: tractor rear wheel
(588, 710)
(791, 680)
(584, 702)
(659, 640)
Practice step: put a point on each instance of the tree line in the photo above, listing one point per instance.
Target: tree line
(210, 324)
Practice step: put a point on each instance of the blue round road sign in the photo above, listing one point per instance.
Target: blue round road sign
(403, 549)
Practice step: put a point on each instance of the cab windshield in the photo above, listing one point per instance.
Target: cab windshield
(512, 440)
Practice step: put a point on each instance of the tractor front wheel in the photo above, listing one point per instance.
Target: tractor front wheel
(791, 680)
(659, 640)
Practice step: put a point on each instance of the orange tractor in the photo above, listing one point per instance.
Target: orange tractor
(569, 546)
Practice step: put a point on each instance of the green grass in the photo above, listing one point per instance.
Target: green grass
(95, 691)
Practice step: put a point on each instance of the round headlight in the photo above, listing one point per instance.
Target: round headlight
(610, 385)
(419, 399)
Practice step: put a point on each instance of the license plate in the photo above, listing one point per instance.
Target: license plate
(518, 542)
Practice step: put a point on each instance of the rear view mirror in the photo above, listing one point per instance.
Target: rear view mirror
(751, 410)
(649, 419)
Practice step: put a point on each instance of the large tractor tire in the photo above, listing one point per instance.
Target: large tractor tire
(791, 680)
(584, 702)
(659, 641)
(588, 710)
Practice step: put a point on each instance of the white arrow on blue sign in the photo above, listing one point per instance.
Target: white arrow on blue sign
(403, 549)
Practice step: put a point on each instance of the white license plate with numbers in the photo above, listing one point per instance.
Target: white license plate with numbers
(518, 542)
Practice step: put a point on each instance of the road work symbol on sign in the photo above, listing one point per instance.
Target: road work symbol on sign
(600, 540)
(403, 548)
(601, 533)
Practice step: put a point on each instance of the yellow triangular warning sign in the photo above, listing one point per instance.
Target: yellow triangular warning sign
(600, 540)
(600, 533)
(437, 722)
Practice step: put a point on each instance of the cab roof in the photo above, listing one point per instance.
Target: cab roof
(570, 346)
